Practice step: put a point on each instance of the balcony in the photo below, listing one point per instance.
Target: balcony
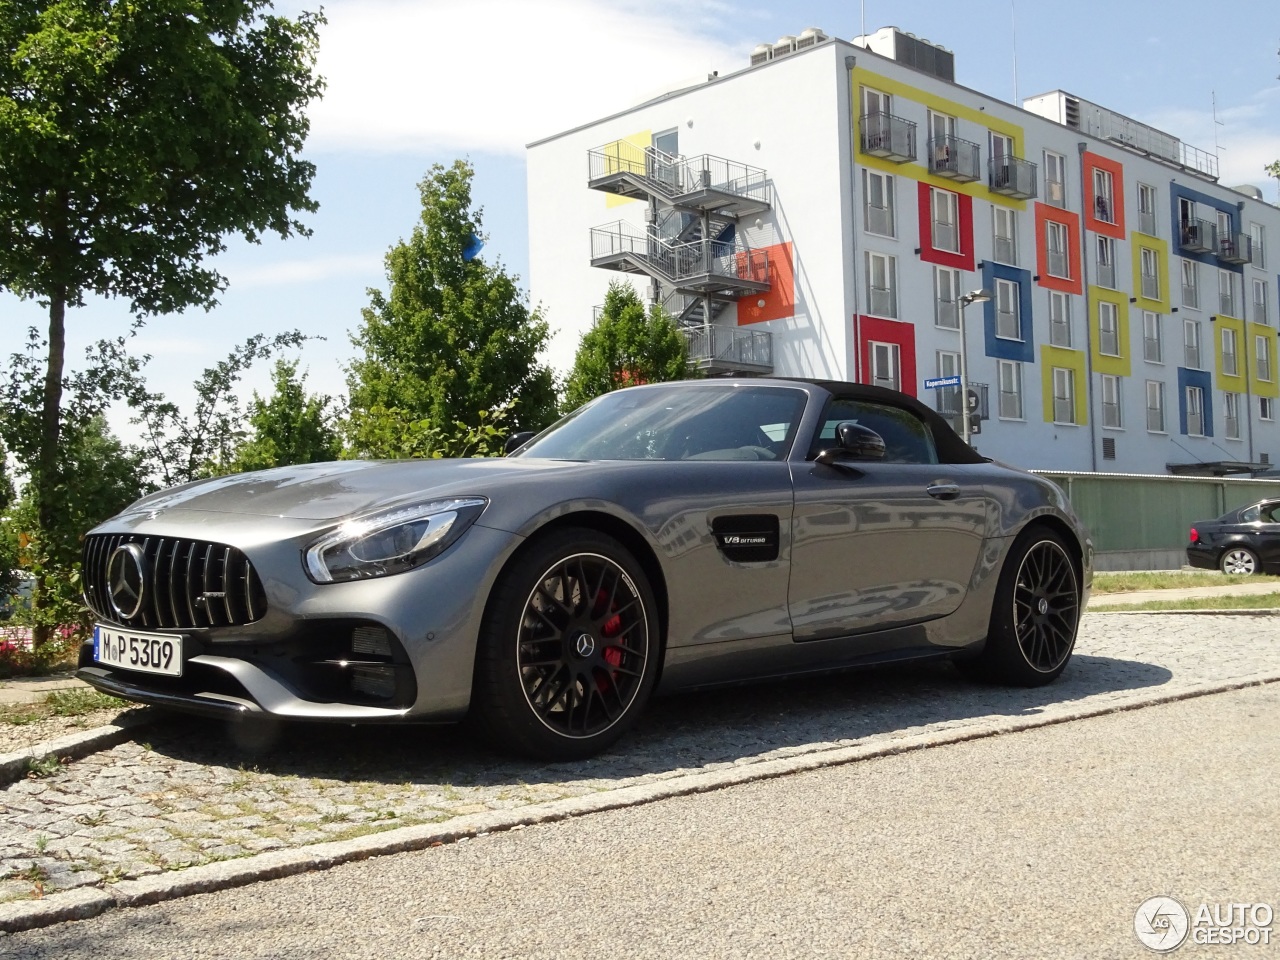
(723, 351)
(888, 137)
(1198, 236)
(1235, 248)
(709, 267)
(704, 184)
(1012, 176)
(955, 159)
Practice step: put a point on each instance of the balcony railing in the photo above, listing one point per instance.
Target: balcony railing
(1227, 304)
(1055, 192)
(1012, 176)
(1151, 349)
(889, 137)
(1107, 275)
(1198, 236)
(1190, 295)
(1147, 222)
(1006, 251)
(1235, 248)
(1150, 287)
(955, 158)
(1155, 419)
(705, 181)
(1056, 261)
(724, 349)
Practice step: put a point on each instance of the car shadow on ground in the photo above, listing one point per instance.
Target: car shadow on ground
(677, 733)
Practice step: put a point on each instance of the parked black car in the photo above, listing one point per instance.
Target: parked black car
(1244, 540)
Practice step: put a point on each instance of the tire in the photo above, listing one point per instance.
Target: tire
(1239, 560)
(568, 652)
(1035, 615)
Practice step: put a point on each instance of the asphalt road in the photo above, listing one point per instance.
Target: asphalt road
(1041, 843)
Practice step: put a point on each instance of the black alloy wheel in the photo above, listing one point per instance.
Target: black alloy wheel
(569, 652)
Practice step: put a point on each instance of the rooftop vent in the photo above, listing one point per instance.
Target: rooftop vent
(912, 51)
(786, 45)
(1249, 190)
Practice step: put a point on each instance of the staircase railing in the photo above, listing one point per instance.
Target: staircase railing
(676, 262)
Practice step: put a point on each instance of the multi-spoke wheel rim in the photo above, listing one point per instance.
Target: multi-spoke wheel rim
(1238, 561)
(583, 644)
(1046, 606)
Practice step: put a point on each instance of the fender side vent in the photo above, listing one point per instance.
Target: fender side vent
(747, 538)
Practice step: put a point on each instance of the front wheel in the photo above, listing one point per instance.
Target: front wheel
(1035, 615)
(1240, 560)
(568, 653)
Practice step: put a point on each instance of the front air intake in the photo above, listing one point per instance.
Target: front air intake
(156, 582)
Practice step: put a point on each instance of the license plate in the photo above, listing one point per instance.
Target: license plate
(144, 652)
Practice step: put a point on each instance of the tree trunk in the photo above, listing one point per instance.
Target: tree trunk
(48, 474)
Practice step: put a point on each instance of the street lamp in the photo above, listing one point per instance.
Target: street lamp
(977, 296)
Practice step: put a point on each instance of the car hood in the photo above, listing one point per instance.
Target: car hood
(329, 491)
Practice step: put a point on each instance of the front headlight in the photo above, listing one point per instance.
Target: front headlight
(392, 541)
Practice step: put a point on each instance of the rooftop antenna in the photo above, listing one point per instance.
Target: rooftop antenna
(864, 17)
(1217, 150)
(1013, 19)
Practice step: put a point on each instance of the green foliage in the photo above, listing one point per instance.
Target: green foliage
(289, 426)
(626, 347)
(451, 339)
(396, 436)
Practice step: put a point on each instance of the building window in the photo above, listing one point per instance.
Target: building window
(1266, 408)
(1104, 206)
(1229, 367)
(1059, 319)
(1226, 293)
(1106, 262)
(1147, 209)
(1055, 178)
(946, 231)
(1064, 395)
(1111, 412)
(1262, 347)
(1152, 346)
(885, 368)
(1259, 236)
(1260, 312)
(1005, 235)
(1191, 343)
(1225, 233)
(942, 130)
(1008, 321)
(1010, 390)
(949, 397)
(882, 285)
(1108, 329)
(1231, 415)
(1057, 261)
(1150, 267)
(1195, 411)
(1155, 406)
(877, 188)
(873, 101)
(1190, 284)
(946, 296)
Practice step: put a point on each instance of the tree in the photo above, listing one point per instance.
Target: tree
(134, 137)
(626, 347)
(1273, 170)
(452, 339)
(289, 426)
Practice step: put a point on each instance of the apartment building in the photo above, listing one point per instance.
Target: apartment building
(831, 210)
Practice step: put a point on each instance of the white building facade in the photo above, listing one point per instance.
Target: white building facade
(822, 212)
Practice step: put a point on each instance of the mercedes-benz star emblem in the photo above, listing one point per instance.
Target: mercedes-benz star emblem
(585, 645)
(126, 580)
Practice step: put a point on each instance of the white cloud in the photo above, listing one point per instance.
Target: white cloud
(285, 272)
(493, 75)
(1247, 138)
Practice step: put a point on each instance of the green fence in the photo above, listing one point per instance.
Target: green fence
(1150, 514)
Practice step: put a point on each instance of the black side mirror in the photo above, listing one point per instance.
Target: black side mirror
(853, 442)
(516, 441)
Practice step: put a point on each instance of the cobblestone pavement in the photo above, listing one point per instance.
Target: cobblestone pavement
(194, 793)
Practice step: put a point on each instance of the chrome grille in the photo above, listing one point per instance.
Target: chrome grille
(186, 583)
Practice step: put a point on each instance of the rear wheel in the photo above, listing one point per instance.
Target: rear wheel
(1239, 560)
(1035, 615)
(569, 650)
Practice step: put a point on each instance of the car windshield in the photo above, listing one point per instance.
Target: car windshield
(729, 422)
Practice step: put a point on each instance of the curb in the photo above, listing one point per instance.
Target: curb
(13, 766)
(207, 878)
(1200, 611)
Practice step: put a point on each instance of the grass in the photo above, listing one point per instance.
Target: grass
(1257, 601)
(1169, 580)
(59, 703)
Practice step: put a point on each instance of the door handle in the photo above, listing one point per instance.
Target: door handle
(943, 491)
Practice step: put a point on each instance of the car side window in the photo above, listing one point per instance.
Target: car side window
(1270, 513)
(1252, 515)
(906, 437)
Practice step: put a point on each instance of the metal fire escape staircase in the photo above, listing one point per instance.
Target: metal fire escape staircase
(689, 245)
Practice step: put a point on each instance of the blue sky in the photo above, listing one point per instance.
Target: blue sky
(417, 82)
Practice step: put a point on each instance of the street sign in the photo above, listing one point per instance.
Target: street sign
(937, 382)
(972, 398)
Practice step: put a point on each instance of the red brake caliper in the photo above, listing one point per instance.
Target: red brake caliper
(612, 655)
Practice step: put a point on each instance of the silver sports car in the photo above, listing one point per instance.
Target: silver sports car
(663, 537)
